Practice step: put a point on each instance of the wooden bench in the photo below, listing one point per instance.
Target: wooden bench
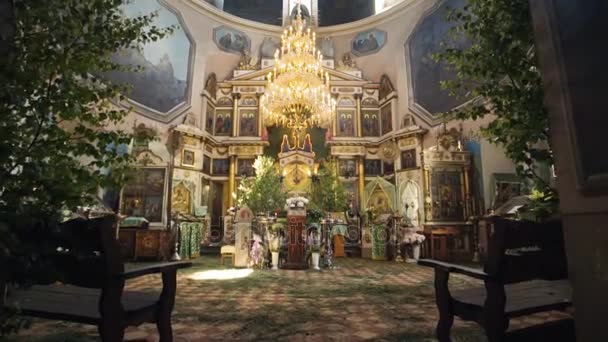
(92, 284)
(525, 273)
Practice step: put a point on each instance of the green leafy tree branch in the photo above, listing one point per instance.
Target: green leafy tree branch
(327, 193)
(499, 70)
(56, 140)
(264, 192)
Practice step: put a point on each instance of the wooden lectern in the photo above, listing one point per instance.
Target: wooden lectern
(296, 245)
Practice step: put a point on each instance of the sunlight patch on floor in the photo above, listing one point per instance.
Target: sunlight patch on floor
(221, 274)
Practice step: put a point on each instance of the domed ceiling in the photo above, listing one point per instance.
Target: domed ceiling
(330, 12)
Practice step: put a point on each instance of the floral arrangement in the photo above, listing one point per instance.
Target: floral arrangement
(256, 252)
(297, 202)
(371, 213)
(414, 239)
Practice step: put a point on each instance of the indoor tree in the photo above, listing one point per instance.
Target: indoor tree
(264, 192)
(498, 68)
(54, 135)
(327, 192)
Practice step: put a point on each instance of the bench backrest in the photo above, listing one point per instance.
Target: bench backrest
(525, 250)
(90, 252)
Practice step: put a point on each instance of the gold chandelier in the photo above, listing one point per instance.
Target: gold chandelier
(297, 95)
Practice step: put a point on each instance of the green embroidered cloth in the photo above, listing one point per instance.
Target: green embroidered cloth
(378, 242)
(134, 222)
(191, 234)
(339, 229)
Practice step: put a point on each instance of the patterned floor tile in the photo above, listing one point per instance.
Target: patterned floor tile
(359, 300)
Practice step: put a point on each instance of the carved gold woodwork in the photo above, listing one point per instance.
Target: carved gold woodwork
(190, 141)
(245, 150)
(348, 150)
(408, 142)
(181, 199)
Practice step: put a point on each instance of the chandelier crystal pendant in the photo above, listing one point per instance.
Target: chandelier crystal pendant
(297, 94)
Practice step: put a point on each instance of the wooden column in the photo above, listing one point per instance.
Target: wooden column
(361, 182)
(231, 181)
(335, 118)
(573, 66)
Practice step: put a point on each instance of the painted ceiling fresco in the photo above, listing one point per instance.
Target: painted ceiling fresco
(426, 74)
(163, 83)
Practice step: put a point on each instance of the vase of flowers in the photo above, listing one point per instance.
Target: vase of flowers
(414, 240)
(274, 242)
(297, 202)
(371, 214)
(275, 260)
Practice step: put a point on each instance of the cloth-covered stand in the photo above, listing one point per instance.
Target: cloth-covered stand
(191, 234)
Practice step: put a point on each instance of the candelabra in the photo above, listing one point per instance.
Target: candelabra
(326, 225)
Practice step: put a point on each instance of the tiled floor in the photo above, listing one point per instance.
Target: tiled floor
(360, 300)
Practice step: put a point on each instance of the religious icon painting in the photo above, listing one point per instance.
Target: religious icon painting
(347, 167)
(221, 167)
(187, 157)
(370, 123)
(231, 40)
(389, 168)
(223, 122)
(143, 196)
(386, 118)
(245, 168)
(248, 123)
(504, 191)
(207, 165)
(346, 124)
(368, 42)
(209, 120)
(372, 167)
(408, 159)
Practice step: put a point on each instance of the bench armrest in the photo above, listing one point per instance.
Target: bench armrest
(453, 268)
(152, 269)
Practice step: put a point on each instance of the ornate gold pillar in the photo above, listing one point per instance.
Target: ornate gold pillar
(361, 182)
(335, 118)
(359, 127)
(426, 178)
(260, 119)
(235, 120)
(467, 194)
(231, 181)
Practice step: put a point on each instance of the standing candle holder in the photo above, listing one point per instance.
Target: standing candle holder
(176, 256)
(396, 238)
(326, 225)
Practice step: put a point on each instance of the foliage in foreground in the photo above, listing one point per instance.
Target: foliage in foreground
(500, 67)
(55, 147)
